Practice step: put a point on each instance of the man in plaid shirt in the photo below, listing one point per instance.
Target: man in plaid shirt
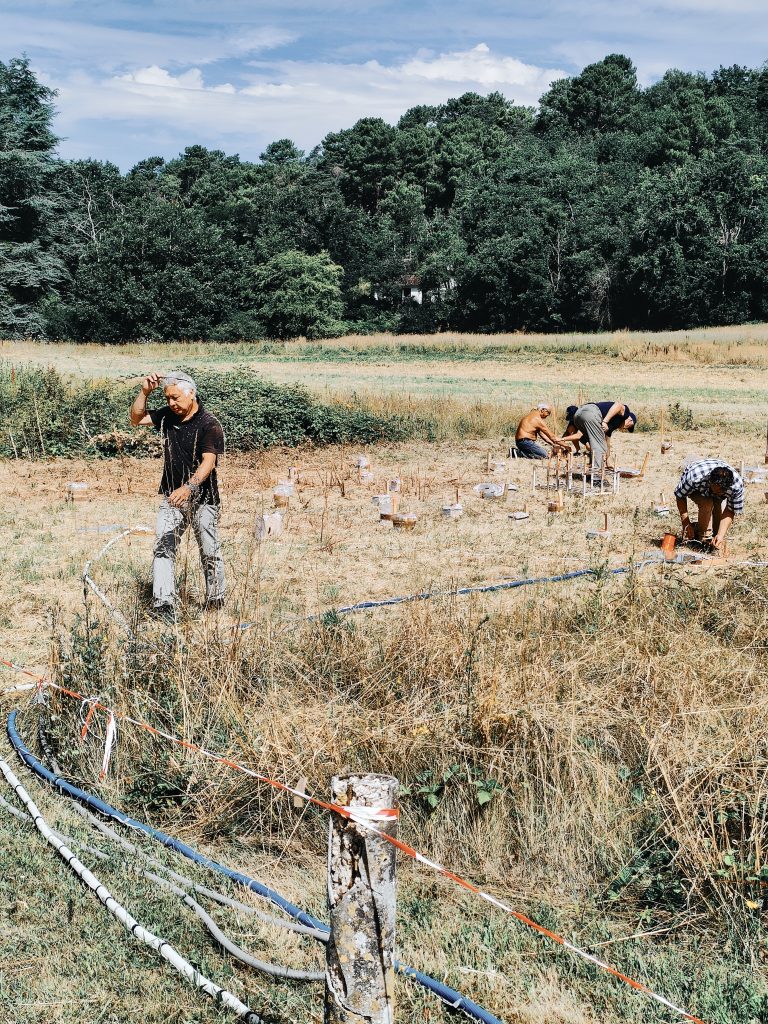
(718, 492)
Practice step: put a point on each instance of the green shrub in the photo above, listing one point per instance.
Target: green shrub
(42, 414)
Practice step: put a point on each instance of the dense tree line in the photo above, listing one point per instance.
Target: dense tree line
(611, 205)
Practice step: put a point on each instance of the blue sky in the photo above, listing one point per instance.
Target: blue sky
(148, 77)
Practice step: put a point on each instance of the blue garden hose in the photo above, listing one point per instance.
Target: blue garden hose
(455, 1000)
(485, 588)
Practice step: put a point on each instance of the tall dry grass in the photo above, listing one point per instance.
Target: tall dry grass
(620, 730)
(738, 345)
(617, 724)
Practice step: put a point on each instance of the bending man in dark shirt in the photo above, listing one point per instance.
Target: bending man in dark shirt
(192, 441)
(595, 422)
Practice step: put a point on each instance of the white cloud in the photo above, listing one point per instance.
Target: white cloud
(155, 76)
(300, 100)
(479, 66)
(75, 43)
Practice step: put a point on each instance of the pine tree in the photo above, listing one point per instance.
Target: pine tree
(29, 266)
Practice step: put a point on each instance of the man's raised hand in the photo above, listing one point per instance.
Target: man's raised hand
(151, 382)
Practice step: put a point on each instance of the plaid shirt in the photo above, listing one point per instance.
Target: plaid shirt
(695, 480)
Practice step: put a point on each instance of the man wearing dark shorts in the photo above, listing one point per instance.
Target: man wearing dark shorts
(192, 441)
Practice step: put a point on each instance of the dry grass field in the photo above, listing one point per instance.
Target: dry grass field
(335, 551)
(719, 374)
(618, 721)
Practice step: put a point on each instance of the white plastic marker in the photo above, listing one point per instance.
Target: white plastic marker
(109, 743)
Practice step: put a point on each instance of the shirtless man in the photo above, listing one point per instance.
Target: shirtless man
(530, 428)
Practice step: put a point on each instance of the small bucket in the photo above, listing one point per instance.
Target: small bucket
(668, 545)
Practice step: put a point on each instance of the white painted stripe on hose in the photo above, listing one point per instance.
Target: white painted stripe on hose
(183, 966)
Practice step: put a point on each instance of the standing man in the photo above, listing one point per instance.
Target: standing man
(717, 490)
(531, 427)
(595, 422)
(192, 441)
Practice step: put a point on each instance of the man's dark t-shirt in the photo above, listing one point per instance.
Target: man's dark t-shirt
(183, 446)
(615, 421)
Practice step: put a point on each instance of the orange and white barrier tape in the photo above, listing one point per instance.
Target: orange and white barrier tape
(365, 818)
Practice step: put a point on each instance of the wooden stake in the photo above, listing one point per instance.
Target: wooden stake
(488, 461)
(324, 517)
(360, 973)
(605, 522)
(766, 447)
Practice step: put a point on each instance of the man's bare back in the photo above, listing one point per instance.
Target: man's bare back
(530, 426)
